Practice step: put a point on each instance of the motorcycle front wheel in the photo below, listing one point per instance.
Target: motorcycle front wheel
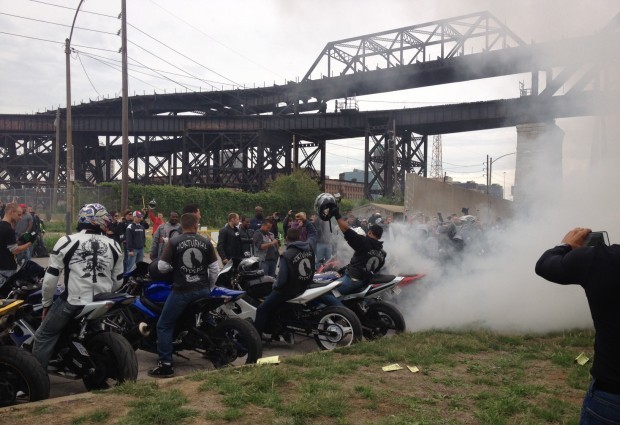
(238, 341)
(382, 318)
(115, 361)
(22, 378)
(337, 327)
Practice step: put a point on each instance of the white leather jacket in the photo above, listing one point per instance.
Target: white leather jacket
(92, 264)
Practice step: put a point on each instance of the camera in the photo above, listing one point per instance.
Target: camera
(597, 238)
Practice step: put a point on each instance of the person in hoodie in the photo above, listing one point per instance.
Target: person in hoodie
(368, 258)
(162, 235)
(295, 274)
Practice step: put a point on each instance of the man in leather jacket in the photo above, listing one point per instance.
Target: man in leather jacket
(295, 274)
(92, 263)
(229, 240)
(596, 269)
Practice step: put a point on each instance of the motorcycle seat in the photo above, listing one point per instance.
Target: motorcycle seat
(105, 296)
(381, 278)
(316, 284)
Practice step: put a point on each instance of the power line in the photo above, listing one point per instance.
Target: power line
(217, 41)
(32, 38)
(56, 23)
(186, 57)
(73, 9)
(87, 76)
(104, 59)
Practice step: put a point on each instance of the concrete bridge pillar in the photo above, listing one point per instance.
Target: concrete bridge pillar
(538, 173)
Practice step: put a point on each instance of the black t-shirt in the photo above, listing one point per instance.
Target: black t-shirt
(7, 239)
(190, 256)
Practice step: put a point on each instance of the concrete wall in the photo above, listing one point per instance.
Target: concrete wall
(428, 196)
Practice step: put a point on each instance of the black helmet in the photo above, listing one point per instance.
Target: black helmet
(250, 267)
(157, 276)
(323, 204)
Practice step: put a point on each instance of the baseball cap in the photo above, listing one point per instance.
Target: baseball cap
(137, 214)
(22, 206)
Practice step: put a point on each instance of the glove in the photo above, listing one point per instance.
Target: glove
(334, 211)
(27, 237)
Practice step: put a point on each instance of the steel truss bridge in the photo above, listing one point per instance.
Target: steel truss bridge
(243, 138)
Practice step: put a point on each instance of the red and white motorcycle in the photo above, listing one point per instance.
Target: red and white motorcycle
(378, 317)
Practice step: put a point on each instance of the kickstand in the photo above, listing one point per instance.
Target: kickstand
(181, 356)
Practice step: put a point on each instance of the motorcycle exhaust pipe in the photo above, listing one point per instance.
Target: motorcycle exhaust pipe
(144, 329)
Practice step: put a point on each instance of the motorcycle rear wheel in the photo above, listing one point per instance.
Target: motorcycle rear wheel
(115, 361)
(22, 378)
(381, 318)
(338, 327)
(240, 341)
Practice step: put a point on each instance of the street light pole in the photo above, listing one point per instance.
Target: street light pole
(70, 174)
(490, 162)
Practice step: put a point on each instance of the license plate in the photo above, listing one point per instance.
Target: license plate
(396, 290)
(81, 348)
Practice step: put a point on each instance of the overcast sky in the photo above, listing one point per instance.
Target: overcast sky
(191, 45)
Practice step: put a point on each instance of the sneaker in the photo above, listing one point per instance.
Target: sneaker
(288, 337)
(163, 370)
(266, 337)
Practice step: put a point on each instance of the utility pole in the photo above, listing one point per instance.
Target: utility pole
(69, 166)
(395, 163)
(125, 113)
(488, 175)
(56, 163)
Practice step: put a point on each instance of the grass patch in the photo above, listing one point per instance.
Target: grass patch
(476, 377)
(163, 407)
(96, 417)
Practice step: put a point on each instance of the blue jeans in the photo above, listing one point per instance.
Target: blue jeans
(323, 252)
(46, 337)
(24, 256)
(600, 407)
(269, 267)
(348, 286)
(174, 307)
(138, 255)
(265, 310)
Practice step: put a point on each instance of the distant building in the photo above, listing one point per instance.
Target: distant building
(495, 190)
(348, 189)
(357, 176)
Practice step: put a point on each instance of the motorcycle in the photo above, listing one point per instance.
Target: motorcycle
(22, 378)
(378, 317)
(85, 350)
(219, 339)
(331, 327)
(25, 285)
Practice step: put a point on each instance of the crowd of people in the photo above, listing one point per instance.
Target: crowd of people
(107, 245)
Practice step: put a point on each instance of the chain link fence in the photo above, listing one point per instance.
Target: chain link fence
(44, 202)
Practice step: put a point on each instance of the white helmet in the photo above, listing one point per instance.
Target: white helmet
(94, 214)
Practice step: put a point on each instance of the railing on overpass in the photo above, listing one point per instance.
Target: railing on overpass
(435, 40)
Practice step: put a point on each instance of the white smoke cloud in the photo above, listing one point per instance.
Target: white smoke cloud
(498, 289)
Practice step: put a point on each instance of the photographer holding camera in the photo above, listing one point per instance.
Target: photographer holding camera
(597, 269)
